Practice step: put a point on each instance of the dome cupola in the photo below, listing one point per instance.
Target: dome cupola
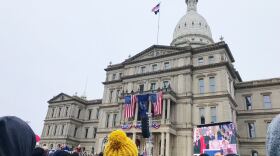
(192, 29)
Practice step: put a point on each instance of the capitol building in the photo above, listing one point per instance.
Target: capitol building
(200, 86)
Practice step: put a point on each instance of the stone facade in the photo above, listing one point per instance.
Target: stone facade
(194, 85)
(198, 80)
(71, 120)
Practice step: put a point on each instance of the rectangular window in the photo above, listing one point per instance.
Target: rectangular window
(201, 86)
(267, 124)
(154, 67)
(211, 59)
(59, 111)
(114, 77)
(230, 85)
(79, 113)
(153, 86)
(48, 130)
(266, 102)
(252, 130)
(165, 84)
(141, 88)
(212, 84)
(142, 70)
(62, 130)
(213, 114)
(52, 112)
(75, 131)
(86, 132)
(120, 75)
(94, 133)
(200, 61)
(110, 96)
(114, 120)
(202, 115)
(166, 65)
(107, 120)
(248, 102)
(66, 111)
(55, 128)
(89, 114)
(97, 113)
(117, 95)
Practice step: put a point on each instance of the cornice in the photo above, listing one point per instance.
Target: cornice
(216, 96)
(191, 67)
(227, 64)
(258, 112)
(212, 47)
(158, 72)
(161, 47)
(112, 82)
(258, 83)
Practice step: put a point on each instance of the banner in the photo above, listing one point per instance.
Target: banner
(143, 103)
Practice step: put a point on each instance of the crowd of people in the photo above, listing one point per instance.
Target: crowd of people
(18, 139)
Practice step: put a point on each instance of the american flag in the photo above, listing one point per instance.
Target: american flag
(156, 8)
(129, 106)
(157, 102)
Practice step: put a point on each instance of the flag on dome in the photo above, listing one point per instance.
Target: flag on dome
(156, 100)
(129, 106)
(156, 8)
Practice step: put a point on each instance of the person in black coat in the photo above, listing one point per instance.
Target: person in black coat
(16, 137)
(61, 153)
(38, 151)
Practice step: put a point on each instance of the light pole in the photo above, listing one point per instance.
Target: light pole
(149, 144)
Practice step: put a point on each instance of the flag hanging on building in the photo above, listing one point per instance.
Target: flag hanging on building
(143, 101)
(156, 8)
(129, 107)
(156, 100)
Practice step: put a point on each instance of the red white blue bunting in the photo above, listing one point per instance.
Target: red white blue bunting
(126, 126)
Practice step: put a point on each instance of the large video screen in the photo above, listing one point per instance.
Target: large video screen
(215, 139)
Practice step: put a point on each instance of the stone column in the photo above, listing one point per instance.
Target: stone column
(162, 144)
(168, 110)
(163, 111)
(51, 130)
(134, 137)
(48, 113)
(189, 145)
(44, 131)
(71, 111)
(189, 115)
(167, 144)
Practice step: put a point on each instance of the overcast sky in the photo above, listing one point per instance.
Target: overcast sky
(53, 46)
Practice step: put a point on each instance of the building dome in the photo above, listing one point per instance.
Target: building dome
(192, 29)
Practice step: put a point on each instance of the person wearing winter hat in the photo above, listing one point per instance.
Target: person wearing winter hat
(273, 138)
(120, 145)
(16, 137)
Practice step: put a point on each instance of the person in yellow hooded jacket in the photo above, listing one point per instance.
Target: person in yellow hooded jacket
(120, 145)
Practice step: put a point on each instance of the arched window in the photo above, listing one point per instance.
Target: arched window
(255, 153)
